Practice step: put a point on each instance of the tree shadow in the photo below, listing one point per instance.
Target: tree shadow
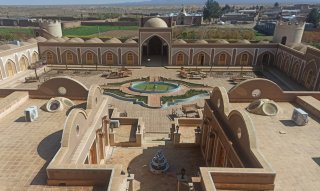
(47, 149)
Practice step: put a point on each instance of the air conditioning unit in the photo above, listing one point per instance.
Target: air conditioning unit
(299, 116)
(31, 113)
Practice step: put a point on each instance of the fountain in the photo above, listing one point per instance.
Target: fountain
(159, 163)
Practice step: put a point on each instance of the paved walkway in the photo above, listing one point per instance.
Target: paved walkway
(156, 120)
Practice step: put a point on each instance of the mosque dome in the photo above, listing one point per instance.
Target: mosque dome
(156, 23)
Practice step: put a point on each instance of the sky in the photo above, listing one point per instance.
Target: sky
(62, 2)
(79, 2)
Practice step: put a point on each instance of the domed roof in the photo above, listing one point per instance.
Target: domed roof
(179, 41)
(75, 40)
(60, 39)
(66, 38)
(32, 40)
(244, 41)
(130, 41)
(52, 40)
(98, 40)
(113, 40)
(221, 41)
(201, 42)
(41, 39)
(156, 23)
(91, 41)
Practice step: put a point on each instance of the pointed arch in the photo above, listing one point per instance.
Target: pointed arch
(180, 58)
(245, 58)
(201, 58)
(69, 57)
(10, 68)
(34, 57)
(89, 57)
(109, 58)
(222, 59)
(129, 58)
(50, 56)
(23, 63)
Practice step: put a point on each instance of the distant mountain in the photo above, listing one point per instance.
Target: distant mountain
(202, 2)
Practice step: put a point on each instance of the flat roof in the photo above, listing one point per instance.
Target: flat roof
(295, 155)
(27, 147)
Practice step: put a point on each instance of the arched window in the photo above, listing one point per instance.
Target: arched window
(69, 56)
(200, 59)
(130, 59)
(49, 58)
(180, 59)
(34, 57)
(244, 59)
(265, 59)
(295, 71)
(109, 58)
(23, 63)
(89, 58)
(310, 79)
(222, 59)
(11, 69)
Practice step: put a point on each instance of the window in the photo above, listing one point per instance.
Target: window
(50, 58)
(130, 58)
(244, 60)
(69, 58)
(180, 59)
(89, 58)
(109, 58)
(200, 59)
(310, 79)
(295, 71)
(222, 59)
(265, 59)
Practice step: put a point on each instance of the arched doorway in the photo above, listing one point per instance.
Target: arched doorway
(23, 62)
(11, 69)
(154, 52)
(34, 57)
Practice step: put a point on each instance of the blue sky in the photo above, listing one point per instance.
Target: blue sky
(61, 2)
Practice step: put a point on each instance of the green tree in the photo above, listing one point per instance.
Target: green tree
(226, 9)
(211, 10)
(314, 17)
(276, 4)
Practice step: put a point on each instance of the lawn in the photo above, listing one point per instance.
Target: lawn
(154, 87)
(13, 33)
(188, 94)
(125, 95)
(91, 30)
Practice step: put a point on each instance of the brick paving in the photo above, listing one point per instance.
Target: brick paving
(295, 156)
(27, 148)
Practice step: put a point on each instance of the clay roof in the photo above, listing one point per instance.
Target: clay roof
(179, 41)
(201, 42)
(113, 40)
